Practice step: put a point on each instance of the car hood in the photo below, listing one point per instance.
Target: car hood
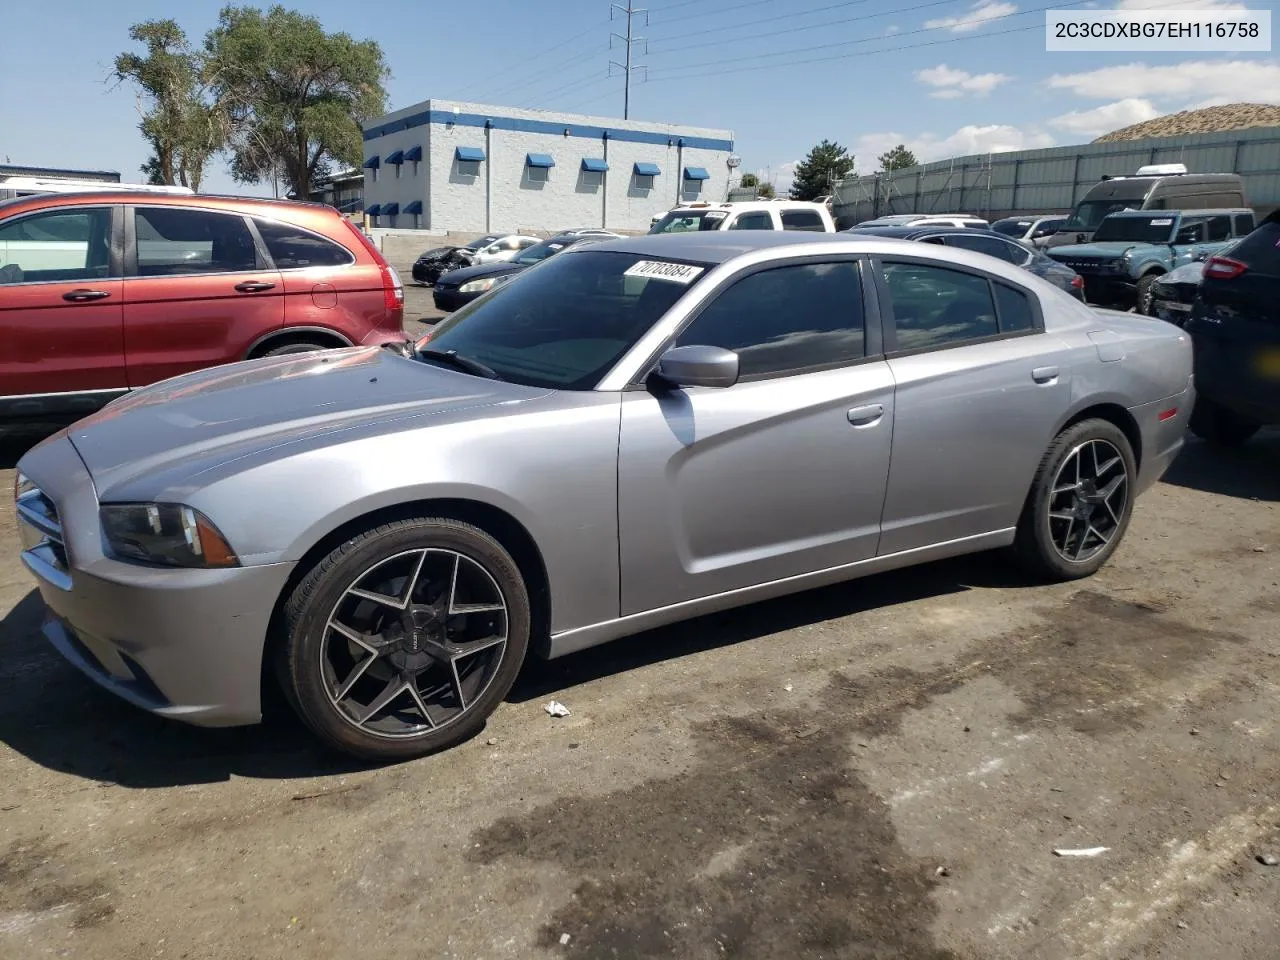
(203, 419)
(463, 274)
(1092, 251)
(437, 253)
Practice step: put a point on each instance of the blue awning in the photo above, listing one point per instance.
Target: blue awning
(396, 157)
(413, 206)
(594, 165)
(413, 153)
(374, 210)
(690, 173)
(371, 163)
(539, 160)
(469, 154)
(647, 170)
(390, 209)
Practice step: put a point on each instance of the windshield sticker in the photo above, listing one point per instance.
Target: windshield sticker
(714, 215)
(660, 270)
(1162, 222)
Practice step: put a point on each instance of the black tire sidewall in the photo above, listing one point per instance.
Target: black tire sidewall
(291, 348)
(1033, 537)
(315, 597)
(1145, 295)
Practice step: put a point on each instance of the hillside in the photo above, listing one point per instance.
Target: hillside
(1230, 116)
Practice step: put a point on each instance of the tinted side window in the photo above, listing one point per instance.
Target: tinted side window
(937, 307)
(802, 220)
(1260, 249)
(1219, 228)
(1243, 224)
(62, 244)
(786, 319)
(992, 247)
(1014, 308)
(291, 247)
(753, 221)
(173, 241)
(1191, 230)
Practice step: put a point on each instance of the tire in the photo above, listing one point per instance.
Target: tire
(1217, 425)
(315, 661)
(1144, 300)
(1039, 540)
(287, 348)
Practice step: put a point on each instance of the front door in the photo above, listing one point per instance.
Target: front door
(199, 293)
(779, 475)
(61, 340)
(980, 387)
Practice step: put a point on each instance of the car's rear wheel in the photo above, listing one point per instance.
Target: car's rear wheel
(1080, 502)
(296, 347)
(405, 638)
(1216, 424)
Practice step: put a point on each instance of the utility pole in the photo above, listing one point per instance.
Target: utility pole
(629, 39)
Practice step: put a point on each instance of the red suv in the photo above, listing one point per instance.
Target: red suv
(104, 292)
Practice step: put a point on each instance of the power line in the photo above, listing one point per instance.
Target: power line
(630, 40)
(732, 8)
(786, 16)
(520, 63)
(554, 74)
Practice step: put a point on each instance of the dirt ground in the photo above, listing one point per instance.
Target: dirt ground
(881, 769)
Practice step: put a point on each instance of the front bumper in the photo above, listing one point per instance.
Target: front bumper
(186, 644)
(450, 299)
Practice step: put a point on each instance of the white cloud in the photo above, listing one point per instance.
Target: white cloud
(1180, 5)
(891, 29)
(1108, 117)
(991, 138)
(981, 12)
(949, 83)
(1208, 81)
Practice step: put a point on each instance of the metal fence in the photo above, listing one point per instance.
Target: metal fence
(1053, 180)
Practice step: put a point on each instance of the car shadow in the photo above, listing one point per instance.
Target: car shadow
(15, 441)
(540, 678)
(56, 717)
(1251, 471)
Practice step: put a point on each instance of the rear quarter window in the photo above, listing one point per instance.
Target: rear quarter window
(293, 248)
(802, 220)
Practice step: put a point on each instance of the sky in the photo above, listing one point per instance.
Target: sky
(945, 77)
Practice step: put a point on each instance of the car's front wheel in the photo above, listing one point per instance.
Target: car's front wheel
(1146, 293)
(405, 638)
(1217, 425)
(1080, 502)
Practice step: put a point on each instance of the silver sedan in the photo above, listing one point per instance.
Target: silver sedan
(633, 433)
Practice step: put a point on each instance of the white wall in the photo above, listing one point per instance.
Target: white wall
(455, 200)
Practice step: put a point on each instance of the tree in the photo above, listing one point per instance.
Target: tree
(826, 163)
(183, 128)
(765, 191)
(899, 158)
(749, 180)
(295, 95)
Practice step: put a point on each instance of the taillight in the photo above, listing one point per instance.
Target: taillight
(392, 288)
(1224, 268)
(1077, 281)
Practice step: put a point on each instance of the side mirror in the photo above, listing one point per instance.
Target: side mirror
(696, 365)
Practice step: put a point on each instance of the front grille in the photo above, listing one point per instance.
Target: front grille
(42, 528)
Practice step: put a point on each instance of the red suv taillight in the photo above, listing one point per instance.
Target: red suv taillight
(1077, 281)
(1224, 268)
(392, 288)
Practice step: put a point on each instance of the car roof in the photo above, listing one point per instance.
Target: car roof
(1216, 211)
(911, 230)
(718, 246)
(736, 206)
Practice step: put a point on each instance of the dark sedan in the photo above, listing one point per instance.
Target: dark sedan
(428, 268)
(458, 287)
(992, 244)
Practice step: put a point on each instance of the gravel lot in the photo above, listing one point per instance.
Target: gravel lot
(874, 770)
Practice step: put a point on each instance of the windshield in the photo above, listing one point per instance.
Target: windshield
(564, 324)
(481, 242)
(1135, 229)
(1089, 213)
(1011, 227)
(689, 221)
(540, 251)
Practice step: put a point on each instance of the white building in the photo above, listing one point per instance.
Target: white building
(443, 165)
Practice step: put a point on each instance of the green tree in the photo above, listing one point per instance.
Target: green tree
(182, 126)
(749, 180)
(826, 163)
(899, 158)
(765, 191)
(296, 95)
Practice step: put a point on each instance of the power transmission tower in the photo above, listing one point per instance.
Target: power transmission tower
(629, 40)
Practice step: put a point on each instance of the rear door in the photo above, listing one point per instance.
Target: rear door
(198, 292)
(61, 336)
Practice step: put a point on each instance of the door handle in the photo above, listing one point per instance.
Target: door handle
(866, 416)
(254, 286)
(82, 296)
(1044, 374)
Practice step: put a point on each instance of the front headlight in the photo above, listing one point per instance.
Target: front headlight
(1120, 262)
(21, 485)
(169, 534)
(480, 286)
